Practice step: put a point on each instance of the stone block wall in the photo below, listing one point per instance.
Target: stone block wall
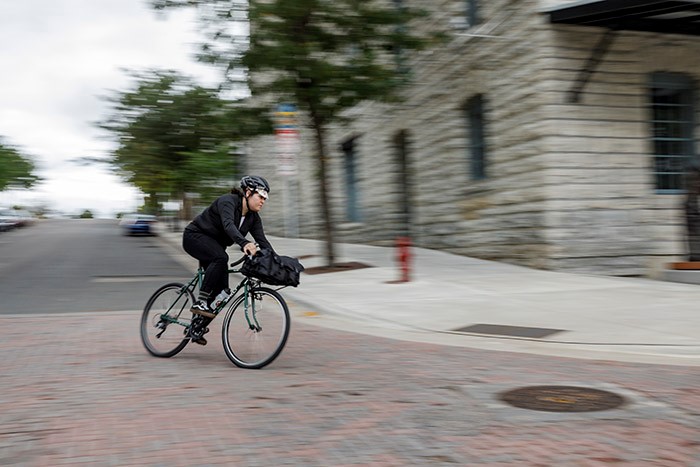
(569, 186)
(604, 214)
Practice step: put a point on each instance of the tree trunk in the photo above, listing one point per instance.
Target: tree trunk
(325, 202)
(151, 204)
(186, 211)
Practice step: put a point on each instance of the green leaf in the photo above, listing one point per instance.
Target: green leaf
(175, 136)
(16, 169)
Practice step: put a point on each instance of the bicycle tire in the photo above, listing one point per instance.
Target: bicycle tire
(256, 348)
(159, 305)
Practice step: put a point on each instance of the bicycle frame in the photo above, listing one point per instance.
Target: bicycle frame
(245, 341)
(196, 282)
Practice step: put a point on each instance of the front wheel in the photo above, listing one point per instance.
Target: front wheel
(165, 320)
(255, 330)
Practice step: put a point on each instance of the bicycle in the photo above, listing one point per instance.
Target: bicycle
(254, 331)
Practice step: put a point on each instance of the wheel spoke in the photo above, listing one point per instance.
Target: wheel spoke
(163, 323)
(254, 337)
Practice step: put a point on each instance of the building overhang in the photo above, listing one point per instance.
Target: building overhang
(664, 16)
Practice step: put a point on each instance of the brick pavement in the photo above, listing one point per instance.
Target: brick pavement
(81, 390)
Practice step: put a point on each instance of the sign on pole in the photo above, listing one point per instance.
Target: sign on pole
(287, 139)
(288, 142)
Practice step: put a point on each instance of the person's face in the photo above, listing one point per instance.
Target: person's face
(256, 200)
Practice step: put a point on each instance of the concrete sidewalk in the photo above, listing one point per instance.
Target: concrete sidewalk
(592, 317)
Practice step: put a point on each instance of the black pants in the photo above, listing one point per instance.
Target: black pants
(212, 257)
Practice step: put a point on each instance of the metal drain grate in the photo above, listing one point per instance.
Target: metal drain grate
(562, 399)
(516, 331)
(337, 267)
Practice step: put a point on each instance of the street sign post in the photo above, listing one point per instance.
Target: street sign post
(287, 139)
(288, 145)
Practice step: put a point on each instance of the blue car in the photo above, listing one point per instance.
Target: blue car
(138, 224)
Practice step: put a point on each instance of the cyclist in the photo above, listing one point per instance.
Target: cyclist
(226, 221)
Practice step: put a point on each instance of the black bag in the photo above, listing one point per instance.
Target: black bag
(273, 269)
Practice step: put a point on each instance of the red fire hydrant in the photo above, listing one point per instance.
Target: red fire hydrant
(403, 257)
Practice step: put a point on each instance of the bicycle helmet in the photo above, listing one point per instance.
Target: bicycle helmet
(255, 183)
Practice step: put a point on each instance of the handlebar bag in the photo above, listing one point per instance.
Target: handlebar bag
(273, 269)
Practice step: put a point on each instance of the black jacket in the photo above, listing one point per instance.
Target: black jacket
(221, 219)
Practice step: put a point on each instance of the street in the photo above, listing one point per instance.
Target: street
(84, 265)
(77, 388)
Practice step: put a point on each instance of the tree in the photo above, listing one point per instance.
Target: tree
(176, 137)
(15, 168)
(326, 56)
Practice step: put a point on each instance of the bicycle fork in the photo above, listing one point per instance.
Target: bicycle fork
(253, 324)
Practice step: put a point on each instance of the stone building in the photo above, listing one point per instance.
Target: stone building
(545, 133)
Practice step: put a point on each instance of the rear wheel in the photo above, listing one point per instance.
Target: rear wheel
(254, 336)
(165, 320)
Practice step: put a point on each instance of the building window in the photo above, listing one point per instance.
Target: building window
(352, 212)
(400, 57)
(476, 129)
(402, 147)
(671, 129)
(472, 13)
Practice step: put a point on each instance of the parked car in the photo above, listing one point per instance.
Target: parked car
(9, 220)
(24, 218)
(134, 224)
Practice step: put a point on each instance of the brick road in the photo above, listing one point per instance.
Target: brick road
(81, 390)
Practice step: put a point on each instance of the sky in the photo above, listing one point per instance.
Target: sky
(58, 59)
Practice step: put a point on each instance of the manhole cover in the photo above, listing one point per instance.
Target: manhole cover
(562, 399)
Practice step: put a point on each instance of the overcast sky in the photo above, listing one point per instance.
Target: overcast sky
(58, 57)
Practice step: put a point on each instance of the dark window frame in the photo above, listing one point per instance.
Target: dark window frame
(400, 56)
(472, 12)
(474, 111)
(352, 208)
(672, 105)
(402, 147)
